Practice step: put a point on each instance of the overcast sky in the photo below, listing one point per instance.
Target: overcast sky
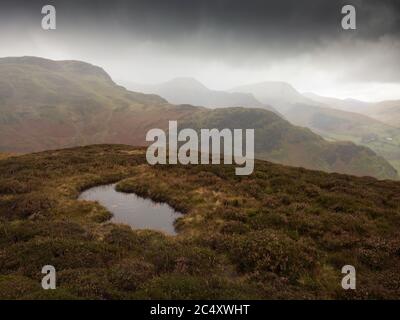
(222, 43)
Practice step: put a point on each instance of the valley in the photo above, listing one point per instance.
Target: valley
(56, 104)
(366, 124)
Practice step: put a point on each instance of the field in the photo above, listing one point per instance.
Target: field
(281, 233)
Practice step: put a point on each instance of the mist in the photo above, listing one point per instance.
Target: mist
(223, 44)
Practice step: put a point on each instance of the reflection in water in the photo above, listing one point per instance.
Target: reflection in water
(135, 211)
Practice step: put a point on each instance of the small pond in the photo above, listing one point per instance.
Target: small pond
(130, 209)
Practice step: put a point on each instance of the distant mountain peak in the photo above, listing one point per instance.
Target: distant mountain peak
(272, 84)
(188, 90)
(186, 79)
(276, 93)
(187, 82)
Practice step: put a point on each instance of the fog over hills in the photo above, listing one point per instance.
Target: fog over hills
(384, 111)
(186, 90)
(352, 105)
(54, 104)
(332, 118)
(281, 95)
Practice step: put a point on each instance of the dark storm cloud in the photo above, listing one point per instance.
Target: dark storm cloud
(252, 34)
(251, 22)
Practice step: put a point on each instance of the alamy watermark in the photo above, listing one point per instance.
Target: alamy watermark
(185, 147)
(349, 280)
(49, 280)
(49, 20)
(348, 21)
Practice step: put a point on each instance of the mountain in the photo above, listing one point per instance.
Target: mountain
(51, 104)
(280, 95)
(279, 141)
(385, 111)
(191, 91)
(323, 116)
(374, 125)
(55, 104)
(338, 125)
(281, 233)
(351, 105)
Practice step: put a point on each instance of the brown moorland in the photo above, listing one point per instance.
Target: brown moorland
(281, 233)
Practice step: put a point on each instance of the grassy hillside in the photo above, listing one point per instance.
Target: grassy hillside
(279, 141)
(386, 111)
(369, 124)
(279, 233)
(337, 125)
(333, 119)
(48, 105)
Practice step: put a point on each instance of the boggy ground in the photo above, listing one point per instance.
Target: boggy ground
(281, 233)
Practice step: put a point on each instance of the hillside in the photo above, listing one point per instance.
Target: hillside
(279, 141)
(280, 95)
(351, 105)
(340, 125)
(327, 117)
(281, 233)
(48, 105)
(385, 111)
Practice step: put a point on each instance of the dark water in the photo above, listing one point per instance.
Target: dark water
(135, 211)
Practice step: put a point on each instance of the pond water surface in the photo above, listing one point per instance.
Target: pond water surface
(128, 208)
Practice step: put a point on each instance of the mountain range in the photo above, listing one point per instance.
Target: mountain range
(385, 111)
(334, 119)
(49, 104)
(189, 90)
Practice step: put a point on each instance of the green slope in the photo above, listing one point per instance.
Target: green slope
(340, 125)
(326, 117)
(48, 104)
(279, 141)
